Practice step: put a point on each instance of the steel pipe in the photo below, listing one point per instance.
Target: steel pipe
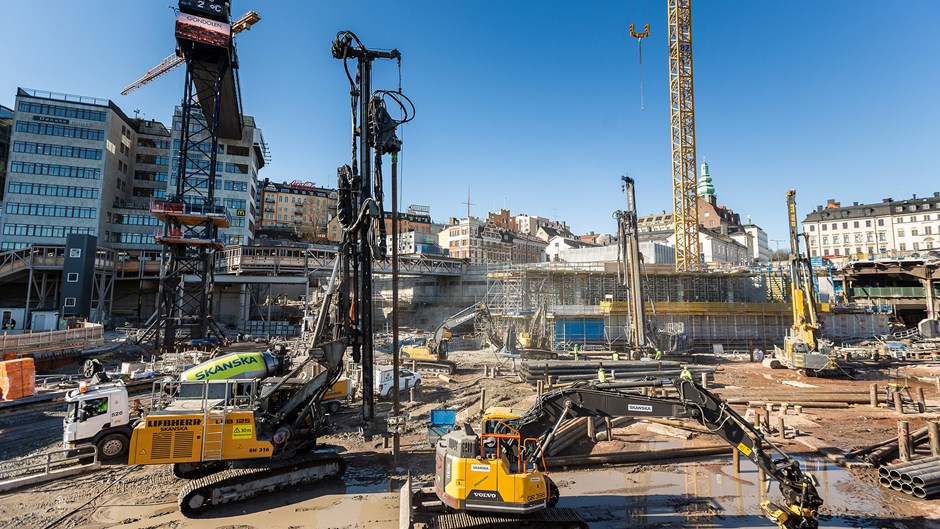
(896, 485)
(910, 463)
(925, 480)
(925, 492)
(926, 468)
(896, 471)
(885, 481)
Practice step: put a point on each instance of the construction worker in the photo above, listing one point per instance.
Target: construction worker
(659, 354)
(575, 351)
(686, 374)
(601, 375)
(615, 357)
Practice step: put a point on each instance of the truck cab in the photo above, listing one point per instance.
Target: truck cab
(100, 416)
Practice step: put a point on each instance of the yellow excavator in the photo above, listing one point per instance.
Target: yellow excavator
(496, 478)
(803, 349)
(429, 353)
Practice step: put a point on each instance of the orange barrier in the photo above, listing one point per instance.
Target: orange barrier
(17, 378)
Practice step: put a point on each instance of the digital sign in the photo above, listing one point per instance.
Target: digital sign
(204, 30)
(217, 9)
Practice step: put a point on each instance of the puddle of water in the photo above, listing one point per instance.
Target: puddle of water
(706, 495)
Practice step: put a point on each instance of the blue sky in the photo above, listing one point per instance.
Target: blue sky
(535, 104)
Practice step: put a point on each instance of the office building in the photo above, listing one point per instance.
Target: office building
(70, 160)
(236, 184)
(6, 128)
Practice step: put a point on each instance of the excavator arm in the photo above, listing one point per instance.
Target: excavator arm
(694, 401)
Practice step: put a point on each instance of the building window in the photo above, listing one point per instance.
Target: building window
(845, 225)
(50, 210)
(917, 246)
(855, 224)
(900, 232)
(882, 237)
(64, 151)
(75, 253)
(70, 302)
(67, 171)
(902, 247)
(60, 130)
(62, 112)
(881, 222)
(928, 230)
(72, 277)
(824, 227)
(825, 239)
(835, 226)
(52, 190)
(845, 238)
(868, 224)
(812, 227)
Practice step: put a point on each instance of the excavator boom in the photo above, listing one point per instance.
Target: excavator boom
(497, 470)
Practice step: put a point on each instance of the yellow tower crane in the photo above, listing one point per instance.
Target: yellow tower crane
(681, 101)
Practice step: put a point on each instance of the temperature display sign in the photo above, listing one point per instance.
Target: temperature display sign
(217, 9)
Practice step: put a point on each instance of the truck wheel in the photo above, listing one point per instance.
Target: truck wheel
(332, 407)
(112, 446)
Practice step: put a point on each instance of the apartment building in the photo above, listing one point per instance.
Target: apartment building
(302, 207)
(892, 228)
(480, 242)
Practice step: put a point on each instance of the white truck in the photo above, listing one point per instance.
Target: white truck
(384, 380)
(99, 415)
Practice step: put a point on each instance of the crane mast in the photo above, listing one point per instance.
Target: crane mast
(685, 205)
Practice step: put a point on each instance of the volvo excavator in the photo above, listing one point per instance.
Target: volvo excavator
(429, 353)
(495, 477)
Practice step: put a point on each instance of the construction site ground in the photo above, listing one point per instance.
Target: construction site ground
(698, 493)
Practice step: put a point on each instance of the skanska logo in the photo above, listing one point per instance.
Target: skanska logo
(225, 366)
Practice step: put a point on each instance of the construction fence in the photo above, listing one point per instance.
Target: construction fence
(48, 343)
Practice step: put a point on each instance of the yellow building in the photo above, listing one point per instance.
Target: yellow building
(302, 206)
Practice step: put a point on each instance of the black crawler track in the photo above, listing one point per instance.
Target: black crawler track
(240, 484)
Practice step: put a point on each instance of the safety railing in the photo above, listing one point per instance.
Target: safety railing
(15, 470)
(52, 340)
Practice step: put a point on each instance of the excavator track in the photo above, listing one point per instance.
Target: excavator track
(551, 518)
(431, 366)
(240, 484)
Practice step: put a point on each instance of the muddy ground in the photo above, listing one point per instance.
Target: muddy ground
(703, 493)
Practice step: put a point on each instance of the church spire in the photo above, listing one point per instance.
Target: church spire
(706, 189)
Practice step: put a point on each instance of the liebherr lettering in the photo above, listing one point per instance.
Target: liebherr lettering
(159, 423)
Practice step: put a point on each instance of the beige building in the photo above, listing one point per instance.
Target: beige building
(301, 206)
(477, 241)
(891, 228)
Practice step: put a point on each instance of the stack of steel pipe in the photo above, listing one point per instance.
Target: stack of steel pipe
(563, 371)
(920, 478)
